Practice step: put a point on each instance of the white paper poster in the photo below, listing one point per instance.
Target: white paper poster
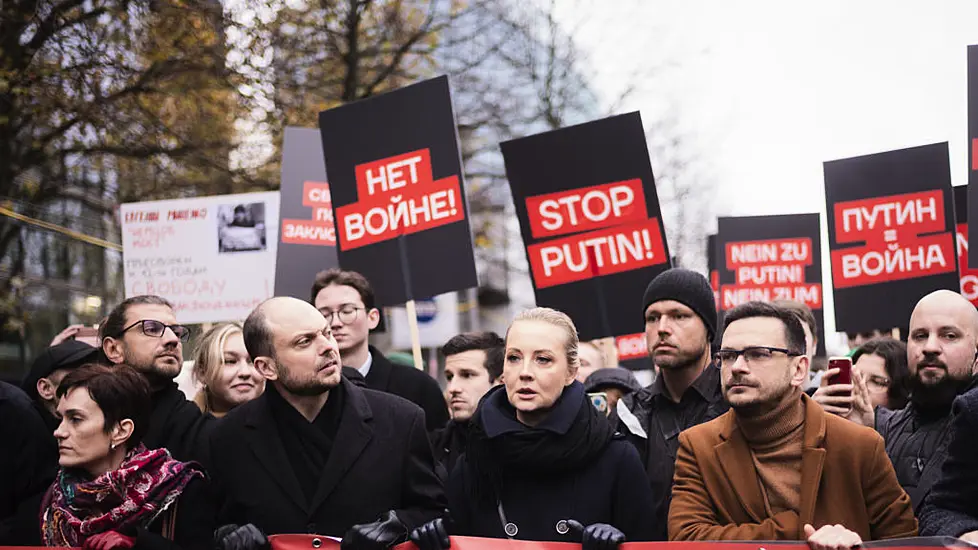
(437, 322)
(213, 258)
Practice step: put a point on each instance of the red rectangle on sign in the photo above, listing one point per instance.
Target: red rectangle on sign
(969, 277)
(316, 194)
(888, 219)
(586, 208)
(631, 346)
(908, 259)
(367, 222)
(597, 253)
(974, 154)
(395, 175)
(809, 294)
(308, 232)
(769, 252)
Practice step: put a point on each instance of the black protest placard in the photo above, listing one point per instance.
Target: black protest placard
(589, 214)
(711, 267)
(397, 189)
(973, 148)
(771, 258)
(968, 275)
(307, 241)
(891, 234)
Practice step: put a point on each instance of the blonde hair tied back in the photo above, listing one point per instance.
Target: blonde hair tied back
(558, 319)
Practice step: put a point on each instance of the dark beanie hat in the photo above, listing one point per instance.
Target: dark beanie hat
(686, 287)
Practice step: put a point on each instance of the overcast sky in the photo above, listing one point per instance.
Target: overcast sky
(769, 89)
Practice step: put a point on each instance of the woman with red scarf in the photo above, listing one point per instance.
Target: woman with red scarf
(112, 492)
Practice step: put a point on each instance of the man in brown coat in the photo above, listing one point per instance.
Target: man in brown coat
(776, 466)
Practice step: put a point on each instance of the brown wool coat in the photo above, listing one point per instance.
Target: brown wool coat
(846, 479)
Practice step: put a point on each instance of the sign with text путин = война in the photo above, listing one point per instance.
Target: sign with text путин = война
(213, 258)
(891, 234)
(589, 215)
(398, 194)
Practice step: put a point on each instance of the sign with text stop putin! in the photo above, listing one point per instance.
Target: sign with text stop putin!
(891, 234)
(397, 191)
(588, 211)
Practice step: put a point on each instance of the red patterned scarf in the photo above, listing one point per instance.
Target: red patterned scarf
(132, 496)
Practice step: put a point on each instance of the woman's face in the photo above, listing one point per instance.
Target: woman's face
(238, 381)
(536, 369)
(873, 369)
(82, 440)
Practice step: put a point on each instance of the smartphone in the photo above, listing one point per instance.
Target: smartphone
(88, 335)
(600, 401)
(844, 364)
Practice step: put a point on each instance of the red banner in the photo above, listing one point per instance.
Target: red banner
(770, 270)
(969, 277)
(318, 231)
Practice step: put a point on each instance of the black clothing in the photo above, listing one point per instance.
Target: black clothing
(411, 384)
(308, 444)
(570, 466)
(28, 464)
(193, 526)
(177, 425)
(381, 461)
(69, 354)
(917, 446)
(447, 445)
(951, 508)
(652, 421)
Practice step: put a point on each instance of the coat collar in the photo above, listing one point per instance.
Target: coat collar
(734, 457)
(379, 377)
(352, 437)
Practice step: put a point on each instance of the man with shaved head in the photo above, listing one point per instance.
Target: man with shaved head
(942, 347)
(315, 453)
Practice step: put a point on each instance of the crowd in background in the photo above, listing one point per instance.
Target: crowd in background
(301, 426)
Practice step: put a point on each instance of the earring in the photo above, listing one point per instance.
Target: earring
(112, 447)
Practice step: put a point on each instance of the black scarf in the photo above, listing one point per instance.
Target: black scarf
(572, 435)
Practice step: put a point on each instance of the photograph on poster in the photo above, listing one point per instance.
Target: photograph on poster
(241, 227)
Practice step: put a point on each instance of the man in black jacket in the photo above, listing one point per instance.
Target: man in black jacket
(346, 299)
(28, 463)
(315, 453)
(680, 323)
(473, 365)
(143, 333)
(47, 370)
(942, 348)
(951, 509)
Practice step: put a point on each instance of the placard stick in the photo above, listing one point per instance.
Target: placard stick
(412, 316)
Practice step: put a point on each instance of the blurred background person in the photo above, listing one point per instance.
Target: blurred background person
(591, 358)
(882, 362)
(473, 365)
(111, 491)
(47, 371)
(540, 454)
(615, 383)
(224, 371)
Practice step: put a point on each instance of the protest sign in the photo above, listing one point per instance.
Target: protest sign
(771, 258)
(308, 236)
(438, 321)
(711, 267)
(891, 234)
(397, 191)
(969, 276)
(213, 258)
(589, 215)
(973, 145)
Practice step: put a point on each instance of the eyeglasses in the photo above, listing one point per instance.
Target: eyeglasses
(752, 354)
(347, 314)
(156, 329)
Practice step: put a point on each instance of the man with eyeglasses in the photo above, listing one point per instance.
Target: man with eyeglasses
(776, 466)
(346, 299)
(142, 332)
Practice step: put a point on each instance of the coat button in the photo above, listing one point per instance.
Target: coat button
(317, 542)
(562, 528)
(511, 529)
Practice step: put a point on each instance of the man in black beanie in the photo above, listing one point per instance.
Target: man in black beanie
(680, 323)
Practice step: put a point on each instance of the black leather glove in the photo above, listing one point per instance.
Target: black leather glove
(234, 537)
(597, 536)
(381, 534)
(431, 536)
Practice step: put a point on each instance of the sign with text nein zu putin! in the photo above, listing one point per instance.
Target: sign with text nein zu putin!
(397, 192)
(588, 211)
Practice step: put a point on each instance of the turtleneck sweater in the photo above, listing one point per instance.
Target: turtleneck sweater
(775, 441)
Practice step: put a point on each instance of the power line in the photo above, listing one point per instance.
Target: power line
(59, 229)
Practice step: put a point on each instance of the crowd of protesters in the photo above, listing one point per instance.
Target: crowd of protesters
(300, 426)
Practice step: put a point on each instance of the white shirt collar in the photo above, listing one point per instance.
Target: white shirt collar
(365, 367)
